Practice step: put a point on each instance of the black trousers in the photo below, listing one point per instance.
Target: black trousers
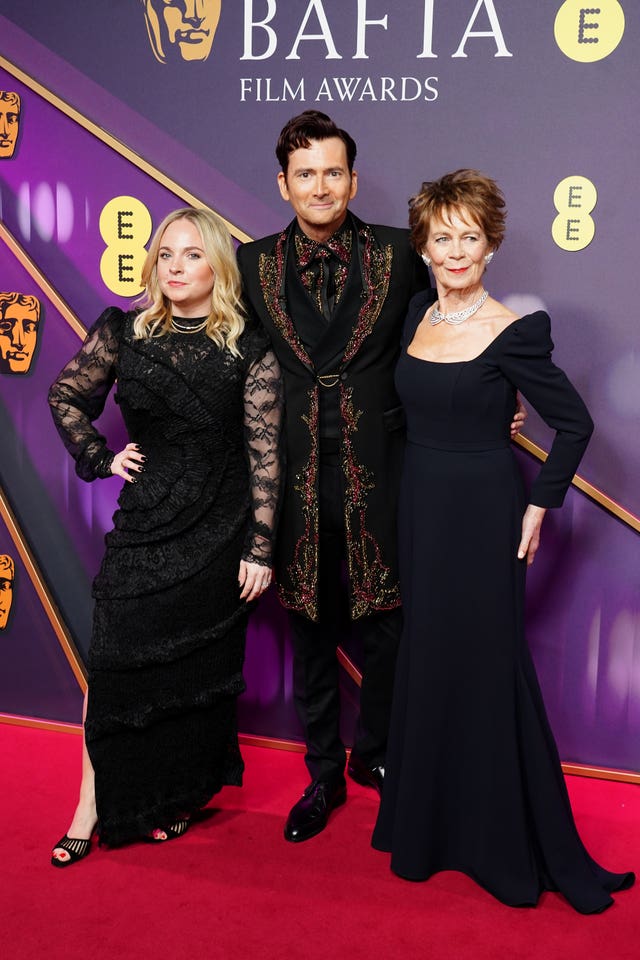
(316, 685)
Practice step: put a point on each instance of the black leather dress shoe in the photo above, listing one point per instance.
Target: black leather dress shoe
(365, 775)
(310, 814)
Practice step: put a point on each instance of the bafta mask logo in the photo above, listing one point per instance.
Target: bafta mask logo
(7, 573)
(181, 29)
(19, 322)
(9, 123)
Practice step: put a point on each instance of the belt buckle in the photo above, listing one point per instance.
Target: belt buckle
(328, 380)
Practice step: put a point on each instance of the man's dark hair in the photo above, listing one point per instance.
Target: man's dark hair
(311, 125)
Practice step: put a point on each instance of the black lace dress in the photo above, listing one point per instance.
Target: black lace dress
(167, 648)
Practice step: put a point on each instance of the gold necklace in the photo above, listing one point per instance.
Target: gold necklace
(178, 328)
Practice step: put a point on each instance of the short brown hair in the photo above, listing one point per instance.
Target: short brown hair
(307, 126)
(464, 191)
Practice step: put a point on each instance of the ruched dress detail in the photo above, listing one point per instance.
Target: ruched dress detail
(168, 640)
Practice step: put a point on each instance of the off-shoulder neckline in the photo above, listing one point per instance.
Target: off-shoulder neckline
(453, 363)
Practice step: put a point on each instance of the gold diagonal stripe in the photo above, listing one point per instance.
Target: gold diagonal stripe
(37, 275)
(57, 726)
(48, 604)
(105, 137)
(592, 492)
(349, 666)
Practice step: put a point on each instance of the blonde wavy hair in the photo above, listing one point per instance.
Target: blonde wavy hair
(226, 318)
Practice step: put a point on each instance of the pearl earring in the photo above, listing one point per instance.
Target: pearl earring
(426, 259)
(488, 258)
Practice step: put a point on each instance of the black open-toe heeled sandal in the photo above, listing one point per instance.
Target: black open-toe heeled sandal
(77, 850)
(174, 830)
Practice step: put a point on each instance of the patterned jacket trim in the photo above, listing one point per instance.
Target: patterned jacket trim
(271, 268)
(303, 570)
(376, 274)
(370, 586)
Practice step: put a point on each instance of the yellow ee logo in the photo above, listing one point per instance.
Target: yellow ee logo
(125, 227)
(574, 199)
(587, 31)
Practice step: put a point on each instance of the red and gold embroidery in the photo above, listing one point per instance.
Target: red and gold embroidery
(371, 585)
(370, 579)
(303, 570)
(376, 274)
(271, 271)
(308, 251)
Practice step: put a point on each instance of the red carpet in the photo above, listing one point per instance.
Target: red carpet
(232, 888)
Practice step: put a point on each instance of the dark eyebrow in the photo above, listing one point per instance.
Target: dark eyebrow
(322, 170)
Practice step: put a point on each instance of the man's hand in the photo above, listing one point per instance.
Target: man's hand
(519, 418)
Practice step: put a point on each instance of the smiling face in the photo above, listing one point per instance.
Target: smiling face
(9, 123)
(19, 321)
(184, 26)
(457, 247)
(6, 588)
(318, 186)
(186, 279)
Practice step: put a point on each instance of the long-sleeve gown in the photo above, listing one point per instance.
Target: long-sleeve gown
(168, 638)
(473, 778)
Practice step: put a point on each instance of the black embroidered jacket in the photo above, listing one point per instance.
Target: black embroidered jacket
(345, 382)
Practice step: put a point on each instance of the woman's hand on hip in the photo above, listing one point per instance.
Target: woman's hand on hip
(129, 459)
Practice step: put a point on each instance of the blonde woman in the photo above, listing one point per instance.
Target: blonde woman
(190, 549)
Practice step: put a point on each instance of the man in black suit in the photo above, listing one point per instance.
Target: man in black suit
(333, 291)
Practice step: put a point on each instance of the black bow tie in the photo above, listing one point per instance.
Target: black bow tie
(310, 250)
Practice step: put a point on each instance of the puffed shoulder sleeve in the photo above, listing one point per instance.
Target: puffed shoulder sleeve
(78, 395)
(526, 362)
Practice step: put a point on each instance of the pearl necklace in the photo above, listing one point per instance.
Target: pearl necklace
(180, 328)
(460, 316)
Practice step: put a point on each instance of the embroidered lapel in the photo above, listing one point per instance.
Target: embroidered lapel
(375, 265)
(271, 269)
(376, 273)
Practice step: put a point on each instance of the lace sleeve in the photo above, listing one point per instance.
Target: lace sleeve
(262, 427)
(78, 396)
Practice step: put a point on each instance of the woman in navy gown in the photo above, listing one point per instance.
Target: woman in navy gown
(473, 779)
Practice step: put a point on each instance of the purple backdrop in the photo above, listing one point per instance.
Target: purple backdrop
(515, 105)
